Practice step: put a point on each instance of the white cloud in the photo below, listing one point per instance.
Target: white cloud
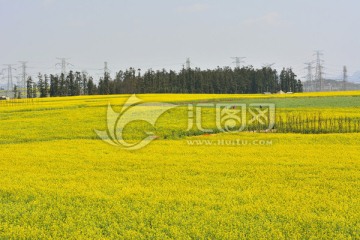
(193, 8)
(272, 19)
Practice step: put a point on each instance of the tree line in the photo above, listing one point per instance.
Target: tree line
(245, 80)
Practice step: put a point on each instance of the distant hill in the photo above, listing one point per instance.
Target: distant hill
(331, 85)
(355, 77)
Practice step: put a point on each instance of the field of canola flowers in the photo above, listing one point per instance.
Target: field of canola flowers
(59, 180)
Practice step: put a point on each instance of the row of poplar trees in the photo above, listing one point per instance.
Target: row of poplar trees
(73, 84)
(220, 80)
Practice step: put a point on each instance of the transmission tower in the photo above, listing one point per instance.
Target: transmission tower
(345, 77)
(238, 61)
(106, 69)
(268, 65)
(188, 64)
(3, 76)
(10, 85)
(63, 64)
(22, 83)
(18, 93)
(319, 71)
(309, 76)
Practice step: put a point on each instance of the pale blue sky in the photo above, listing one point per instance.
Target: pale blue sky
(160, 33)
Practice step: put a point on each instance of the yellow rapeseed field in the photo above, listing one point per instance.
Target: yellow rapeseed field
(59, 180)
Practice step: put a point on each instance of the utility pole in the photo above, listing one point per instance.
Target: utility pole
(63, 64)
(188, 64)
(345, 77)
(309, 76)
(319, 71)
(10, 85)
(238, 61)
(22, 84)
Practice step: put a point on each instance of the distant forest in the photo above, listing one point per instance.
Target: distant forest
(243, 80)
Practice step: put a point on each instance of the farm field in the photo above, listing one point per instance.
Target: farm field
(59, 180)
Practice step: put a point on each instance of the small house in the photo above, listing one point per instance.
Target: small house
(4, 98)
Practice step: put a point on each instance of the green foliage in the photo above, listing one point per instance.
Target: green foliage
(244, 80)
